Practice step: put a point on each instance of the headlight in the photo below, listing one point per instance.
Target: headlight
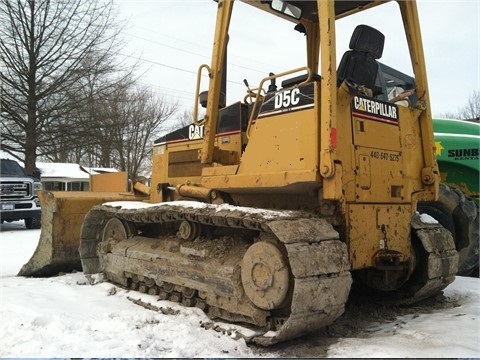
(36, 186)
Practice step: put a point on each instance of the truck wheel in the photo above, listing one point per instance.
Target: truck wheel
(458, 214)
(33, 223)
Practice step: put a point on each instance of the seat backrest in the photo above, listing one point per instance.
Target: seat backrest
(359, 64)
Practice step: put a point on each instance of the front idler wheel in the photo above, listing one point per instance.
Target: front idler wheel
(114, 232)
(265, 275)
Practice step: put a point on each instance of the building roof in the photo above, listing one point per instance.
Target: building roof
(62, 170)
(69, 171)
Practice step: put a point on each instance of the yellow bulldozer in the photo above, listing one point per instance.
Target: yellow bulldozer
(266, 210)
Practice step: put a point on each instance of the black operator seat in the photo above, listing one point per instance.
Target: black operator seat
(359, 65)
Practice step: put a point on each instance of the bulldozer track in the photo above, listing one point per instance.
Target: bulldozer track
(318, 292)
(206, 273)
(459, 214)
(437, 265)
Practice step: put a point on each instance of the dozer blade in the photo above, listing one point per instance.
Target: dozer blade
(63, 213)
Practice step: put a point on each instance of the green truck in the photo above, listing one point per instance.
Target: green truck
(457, 144)
(457, 149)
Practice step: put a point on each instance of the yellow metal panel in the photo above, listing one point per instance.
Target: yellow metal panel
(376, 135)
(282, 143)
(364, 178)
(366, 235)
(220, 170)
(410, 135)
(62, 218)
(259, 182)
(379, 176)
(430, 172)
(110, 182)
(333, 186)
(224, 13)
(328, 110)
(343, 152)
(159, 170)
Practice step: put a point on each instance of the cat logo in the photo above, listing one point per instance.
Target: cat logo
(373, 109)
(195, 132)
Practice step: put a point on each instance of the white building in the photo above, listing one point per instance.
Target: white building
(67, 177)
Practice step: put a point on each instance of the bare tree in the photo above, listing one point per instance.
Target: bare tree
(184, 119)
(470, 111)
(46, 50)
(135, 116)
(89, 117)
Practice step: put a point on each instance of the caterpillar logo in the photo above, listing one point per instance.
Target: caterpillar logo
(195, 132)
(374, 110)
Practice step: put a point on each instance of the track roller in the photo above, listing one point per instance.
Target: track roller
(189, 230)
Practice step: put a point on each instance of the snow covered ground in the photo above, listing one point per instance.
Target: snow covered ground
(64, 317)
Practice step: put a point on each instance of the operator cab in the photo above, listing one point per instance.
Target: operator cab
(396, 87)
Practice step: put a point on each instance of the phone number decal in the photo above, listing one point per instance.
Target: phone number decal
(384, 155)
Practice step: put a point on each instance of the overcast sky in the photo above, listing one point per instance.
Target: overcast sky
(173, 38)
